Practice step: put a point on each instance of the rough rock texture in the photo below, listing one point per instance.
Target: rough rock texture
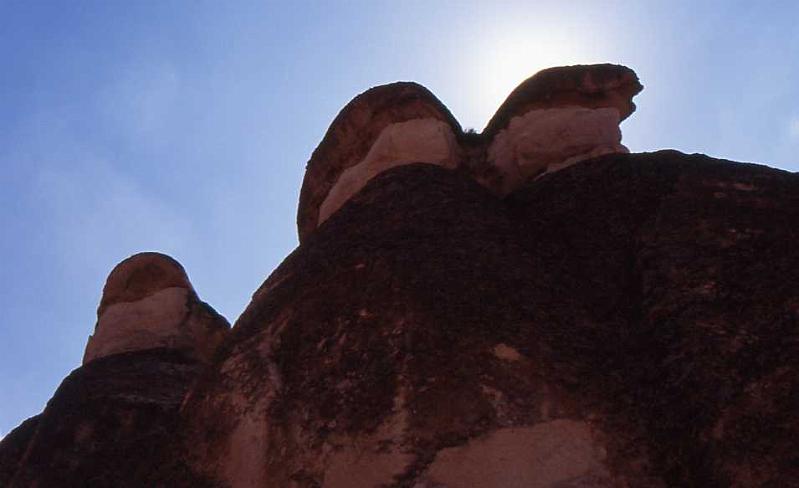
(591, 86)
(13, 446)
(352, 134)
(110, 419)
(148, 302)
(639, 332)
(556, 118)
(105, 425)
(673, 310)
(140, 276)
(426, 140)
(630, 321)
(547, 140)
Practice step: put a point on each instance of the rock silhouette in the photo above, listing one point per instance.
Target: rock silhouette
(596, 319)
(148, 302)
(108, 420)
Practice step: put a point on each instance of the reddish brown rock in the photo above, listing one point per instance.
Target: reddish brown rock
(13, 447)
(432, 334)
(629, 322)
(140, 276)
(353, 133)
(591, 86)
(677, 274)
(557, 118)
(110, 420)
(148, 302)
(106, 424)
(554, 119)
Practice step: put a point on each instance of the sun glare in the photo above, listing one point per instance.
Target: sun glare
(511, 56)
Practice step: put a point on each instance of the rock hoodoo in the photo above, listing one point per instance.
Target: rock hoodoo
(556, 118)
(148, 302)
(383, 127)
(474, 311)
(111, 419)
(592, 86)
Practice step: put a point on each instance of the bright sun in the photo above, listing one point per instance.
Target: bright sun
(510, 56)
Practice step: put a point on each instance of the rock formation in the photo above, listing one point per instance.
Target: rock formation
(559, 117)
(108, 421)
(149, 303)
(554, 119)
(381, 128)
(629, 320)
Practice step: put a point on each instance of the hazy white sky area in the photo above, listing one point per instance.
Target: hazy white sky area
(184, 126)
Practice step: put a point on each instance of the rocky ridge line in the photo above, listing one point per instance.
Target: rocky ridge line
(554, 119)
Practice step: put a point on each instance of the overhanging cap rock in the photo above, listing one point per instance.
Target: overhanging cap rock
(591, 86)
(140, 276)
(352, 133)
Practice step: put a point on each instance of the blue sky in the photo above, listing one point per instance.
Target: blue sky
(184, 127)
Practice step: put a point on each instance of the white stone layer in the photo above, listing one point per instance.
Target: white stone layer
(547, 140)
(425, 140)
(549, 454)
(157, 320)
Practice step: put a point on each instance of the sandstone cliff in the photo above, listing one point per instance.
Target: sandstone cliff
(573, 316)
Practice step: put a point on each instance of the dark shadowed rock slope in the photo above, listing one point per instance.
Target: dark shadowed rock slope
(106, 423)
(631, 321)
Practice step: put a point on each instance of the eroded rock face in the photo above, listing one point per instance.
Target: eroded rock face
(358, 127)
(375, 377)
(550, 338)
(111, 419)
(554, 119)
(558, 117)
(140, 276)
(148, 302)
(590, 86)
(425, 140)
(546, 140)
(13, 448)
(629, 322)
(106, 425)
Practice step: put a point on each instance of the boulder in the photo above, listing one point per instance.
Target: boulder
(111, 419)
(383, 127)
(558, 117)
(148, 302)
(426, 140)
(589, 86)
